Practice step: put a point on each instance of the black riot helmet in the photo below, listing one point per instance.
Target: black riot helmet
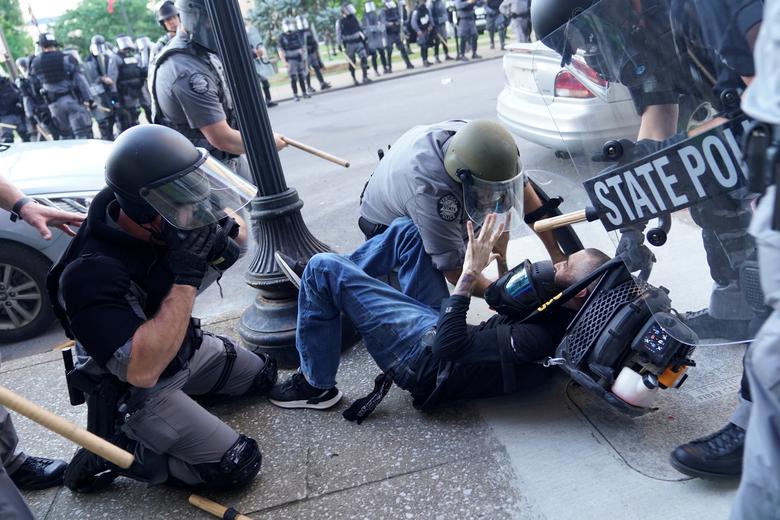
(153, 169)
(47, 39)
(97, 46)
(23, 64)
(548, 15)
(195, 20)
(165, 10)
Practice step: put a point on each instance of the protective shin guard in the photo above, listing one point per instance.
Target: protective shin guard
(237, 468)
(302, 81)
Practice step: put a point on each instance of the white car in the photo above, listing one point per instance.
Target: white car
(538, 87)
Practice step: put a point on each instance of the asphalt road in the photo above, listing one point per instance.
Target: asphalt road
(353, 123)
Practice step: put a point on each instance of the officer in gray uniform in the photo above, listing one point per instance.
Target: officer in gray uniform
(12, 112)
(36, 110)
(519, 14)
(313, 58)
(349, 34)
(189, 93)
(759, 491)
(264, 70)
(467, 27)
(292, 51)
(413, 180)
(168, 18)
(375, 36)
(495, 23)
(64, 88)
(144, 46)
(101, 72)
(422, 24)
(129, 83)
(391, 18)
(440, 16)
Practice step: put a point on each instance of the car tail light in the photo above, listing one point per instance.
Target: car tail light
(566, 85)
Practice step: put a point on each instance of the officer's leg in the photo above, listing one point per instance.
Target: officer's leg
(267, 90)
(23, 129)
(10, 454)
(382, 58)
(464, 39)
(389, 51)
(79, 118)
(7, 134)
(292, 66)
(350, 51)
(422, 41)
(302, 83)
(404, 54)
(490, 21)
(474, 37)
(361, 52)
(502, 31)
(12, 505)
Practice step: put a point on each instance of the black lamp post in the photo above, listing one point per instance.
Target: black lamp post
(269, 324)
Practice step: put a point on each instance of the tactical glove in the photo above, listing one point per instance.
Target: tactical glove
(188, 252)
(635, 254)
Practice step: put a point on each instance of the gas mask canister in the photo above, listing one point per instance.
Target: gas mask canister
(523, 289)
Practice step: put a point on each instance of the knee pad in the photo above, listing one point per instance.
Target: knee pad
(237, 468)
(266, 377)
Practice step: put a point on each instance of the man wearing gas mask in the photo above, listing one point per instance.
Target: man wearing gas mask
(159, 233)
(685, 63)
(189, 93)
(436, 356)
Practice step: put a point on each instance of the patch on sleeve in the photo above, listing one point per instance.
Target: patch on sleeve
(448, 207)
(199, 83)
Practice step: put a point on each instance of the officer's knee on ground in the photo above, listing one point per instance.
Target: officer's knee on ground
(237, 468)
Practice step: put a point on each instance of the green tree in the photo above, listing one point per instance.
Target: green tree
(11, 21)
(267, 16)
(77, 26)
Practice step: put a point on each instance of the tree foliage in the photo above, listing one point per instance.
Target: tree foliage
(13, 27)
(77, 26)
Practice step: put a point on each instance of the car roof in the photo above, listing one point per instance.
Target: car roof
(50, 167)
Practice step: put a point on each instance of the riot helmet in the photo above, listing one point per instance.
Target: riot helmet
(548, 15)
(23, 64)
(390, 4)
(301, 23)
(347, 8)
(143, 43)
(288, 25)
(97, 46)
(153, 169)
(73, 52)
(483, 158)
(125, 42)
(195, 20)
(166, 10)
(47, 39)
(369, 7)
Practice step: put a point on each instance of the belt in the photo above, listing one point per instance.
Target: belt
(369, 228)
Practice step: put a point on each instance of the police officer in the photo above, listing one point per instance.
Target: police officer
(168, 18)
(495, 22)
(158, 234)
(144, 46)
(349, 35)
(128, 83)
(440, 176)
(64, 88)
(313, 58)
(264, 70)
(519, 14)
(440, 17)
(422, 24)
(102, 72)
(391, 18)
(189, 93)
(12, 112)
(292, 52)
(375, 36)
(35, 108)
(467, 27)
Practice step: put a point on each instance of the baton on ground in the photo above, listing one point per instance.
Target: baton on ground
(65, 428)
(6, 125)
(318, 153)
(588, 214)
(215, 509)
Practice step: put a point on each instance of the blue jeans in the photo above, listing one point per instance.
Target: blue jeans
(400, 247)
(391, 323)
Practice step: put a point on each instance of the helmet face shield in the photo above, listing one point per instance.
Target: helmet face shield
(197, 23)
(370, 7)
(201, 196)
(504, 198)
(125, 42)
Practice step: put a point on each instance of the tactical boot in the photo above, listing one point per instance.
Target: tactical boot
(306, 95)
(718, 455)
(447, 57)
(297, 98)
(705, 326)
(270, 104)
(88, 473)
(366, 79)
(409, 66)
(438, 60)
(325, 85)
(39, 473)
(475, 56)
(427, 63)
(355, 82)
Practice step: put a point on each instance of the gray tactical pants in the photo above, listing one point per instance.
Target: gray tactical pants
(12, 505)
(73, 119)
(759, 490)
(169, 422)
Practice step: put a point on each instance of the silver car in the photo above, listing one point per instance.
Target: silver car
(537, 85)
(65, 174)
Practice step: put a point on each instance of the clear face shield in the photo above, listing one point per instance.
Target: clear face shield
(198, 25)
(504, 198)
(673, 198)
(124, 43)
(301, 23)
(370, 7)
(201, 196)
(288, 26)
(348, 9)
(391, 4)
(98, 48)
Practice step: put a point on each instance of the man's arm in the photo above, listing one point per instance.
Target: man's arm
(157, 341)
(226, 138)
(39, 216)
(532, 202)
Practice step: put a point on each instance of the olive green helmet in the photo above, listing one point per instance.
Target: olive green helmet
(483, 157)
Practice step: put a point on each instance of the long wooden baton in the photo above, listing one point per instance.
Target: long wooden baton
(352, 63)
(315, 151)
(65, 428)
(588, 214)
(6, 125)
(43, 134)
(213, 508)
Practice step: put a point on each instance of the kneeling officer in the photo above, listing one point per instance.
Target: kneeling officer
(156, 235)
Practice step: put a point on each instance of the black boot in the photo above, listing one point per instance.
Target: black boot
(706, 326)
(718, 455)
(39, 473)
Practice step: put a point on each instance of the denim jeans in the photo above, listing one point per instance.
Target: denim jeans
(390, 322)
(400, 247)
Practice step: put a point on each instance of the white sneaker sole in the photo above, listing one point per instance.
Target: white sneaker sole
(287, 270)
(320, 405)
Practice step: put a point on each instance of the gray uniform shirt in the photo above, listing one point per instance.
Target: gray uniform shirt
(411, 181)
(761, 99)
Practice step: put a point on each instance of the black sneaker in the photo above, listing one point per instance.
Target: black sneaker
(39, 473)
(270, 104)
(325, 86)
(292, 268)
(705, 326)
(718, 455)
(296, 392)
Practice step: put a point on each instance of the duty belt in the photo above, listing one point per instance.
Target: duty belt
(351, 38)
(51, 98)
(468, 16)
(520, 15)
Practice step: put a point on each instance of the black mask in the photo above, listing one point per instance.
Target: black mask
(523, 289)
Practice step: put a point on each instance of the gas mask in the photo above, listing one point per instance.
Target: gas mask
(523, 289)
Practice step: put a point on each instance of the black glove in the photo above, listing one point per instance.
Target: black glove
(188, 252)
(635, 254)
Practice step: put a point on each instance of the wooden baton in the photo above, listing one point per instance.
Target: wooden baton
(43, 134)
(316, 152)
(213, 508)
(65, 428)
(588, 214)
(6, 125)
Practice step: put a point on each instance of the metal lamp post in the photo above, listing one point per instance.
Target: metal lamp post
(269, 324)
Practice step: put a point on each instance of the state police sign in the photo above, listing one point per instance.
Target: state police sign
(675, 178)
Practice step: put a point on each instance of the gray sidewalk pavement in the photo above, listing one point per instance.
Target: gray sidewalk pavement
(556, 452)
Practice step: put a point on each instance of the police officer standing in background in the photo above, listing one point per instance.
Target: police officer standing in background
(12, 112)
(264, 70)
(292, 52)
(496, 23)
(349, 35)
(467, 28)
(391, 17)
(189, 93)
(422, 24)
(375, 36)
(313, 58)
(129, 83)
(35, 108)
(168, 18)
(519, 14)
(439, 15)
(144, 46)
(102, 73)
(64, 88)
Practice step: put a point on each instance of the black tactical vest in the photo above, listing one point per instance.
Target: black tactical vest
(9, 97)
(131, 76)
(290, 41)
(51, 66)
(423, 14)
(349, 26)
